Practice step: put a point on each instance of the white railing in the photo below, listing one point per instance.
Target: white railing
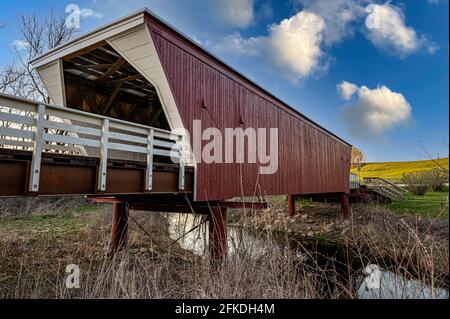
(38, 127)
(354, 181)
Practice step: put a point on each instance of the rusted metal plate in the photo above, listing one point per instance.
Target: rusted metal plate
(69, 175)
(65, 179)
(13, 177)
(124, 180)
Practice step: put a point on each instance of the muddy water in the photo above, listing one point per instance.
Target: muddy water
(372, 284)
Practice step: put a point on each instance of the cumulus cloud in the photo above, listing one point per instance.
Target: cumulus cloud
(340, 16)
(293, 45)
(386, 29)
(346, 90)
(374, 112)
(238, 13)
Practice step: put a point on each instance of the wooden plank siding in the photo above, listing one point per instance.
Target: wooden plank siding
(311, 159)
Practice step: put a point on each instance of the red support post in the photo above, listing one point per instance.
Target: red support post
(291, 205)
(345, 206)
(119, 231)
(218, 234)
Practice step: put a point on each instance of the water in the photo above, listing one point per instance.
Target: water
(376, 284)
(197, 240)
(387, 285)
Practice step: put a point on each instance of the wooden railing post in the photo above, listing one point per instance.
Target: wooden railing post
(149, 173)
(37, 149)
(103, 156)
(182, 164)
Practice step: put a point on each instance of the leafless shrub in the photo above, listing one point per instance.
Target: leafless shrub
(415, 248)
(417, 183)
(437, 179)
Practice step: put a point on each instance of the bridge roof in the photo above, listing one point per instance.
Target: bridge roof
(136, 19)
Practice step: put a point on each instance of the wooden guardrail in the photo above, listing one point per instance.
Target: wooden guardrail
(39, 127)
(385, 188)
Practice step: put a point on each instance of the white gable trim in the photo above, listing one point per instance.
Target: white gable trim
(137, 47)
(89, 39)
(52, 77)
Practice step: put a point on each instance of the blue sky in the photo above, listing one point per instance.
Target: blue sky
(393, 57)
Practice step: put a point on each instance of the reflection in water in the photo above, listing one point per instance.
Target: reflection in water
(376, 285)
(239, 239)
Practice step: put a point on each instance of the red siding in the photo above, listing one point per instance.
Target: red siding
(311, 160)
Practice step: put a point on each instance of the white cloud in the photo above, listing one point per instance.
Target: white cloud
(238, 13)
(20, 45)
(386, 29)
(346, 90)
(293, 45)
(375, 111)
(89, 13)
(236, 44)
(339, 15)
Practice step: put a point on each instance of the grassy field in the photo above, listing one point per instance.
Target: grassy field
(430, 205)
(394, 170)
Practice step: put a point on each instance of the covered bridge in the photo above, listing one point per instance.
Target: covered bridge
(121, 98)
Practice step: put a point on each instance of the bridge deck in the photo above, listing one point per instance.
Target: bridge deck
(77, 175)
(51, 150)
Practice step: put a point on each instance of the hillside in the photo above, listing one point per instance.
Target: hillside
(395, 170)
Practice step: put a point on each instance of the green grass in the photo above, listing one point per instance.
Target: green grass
(63, 222)
(394, 170)
(432, 205)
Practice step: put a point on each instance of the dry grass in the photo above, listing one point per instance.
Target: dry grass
(32, 264)
(414, 247)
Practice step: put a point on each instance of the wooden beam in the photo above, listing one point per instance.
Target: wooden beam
(157, 116)
(125, 79)
(101, 89)
(113, 69)
(84, 51)
(105, 109)
(94, 66)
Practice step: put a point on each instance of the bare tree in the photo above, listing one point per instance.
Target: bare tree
(357, 156)
(437, 160)
(36, 37)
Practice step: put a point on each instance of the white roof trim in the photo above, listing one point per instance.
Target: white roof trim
(91, 38)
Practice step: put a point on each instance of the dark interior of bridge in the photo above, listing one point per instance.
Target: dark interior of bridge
(98, 80)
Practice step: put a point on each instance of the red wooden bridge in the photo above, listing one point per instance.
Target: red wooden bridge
(122, 99)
